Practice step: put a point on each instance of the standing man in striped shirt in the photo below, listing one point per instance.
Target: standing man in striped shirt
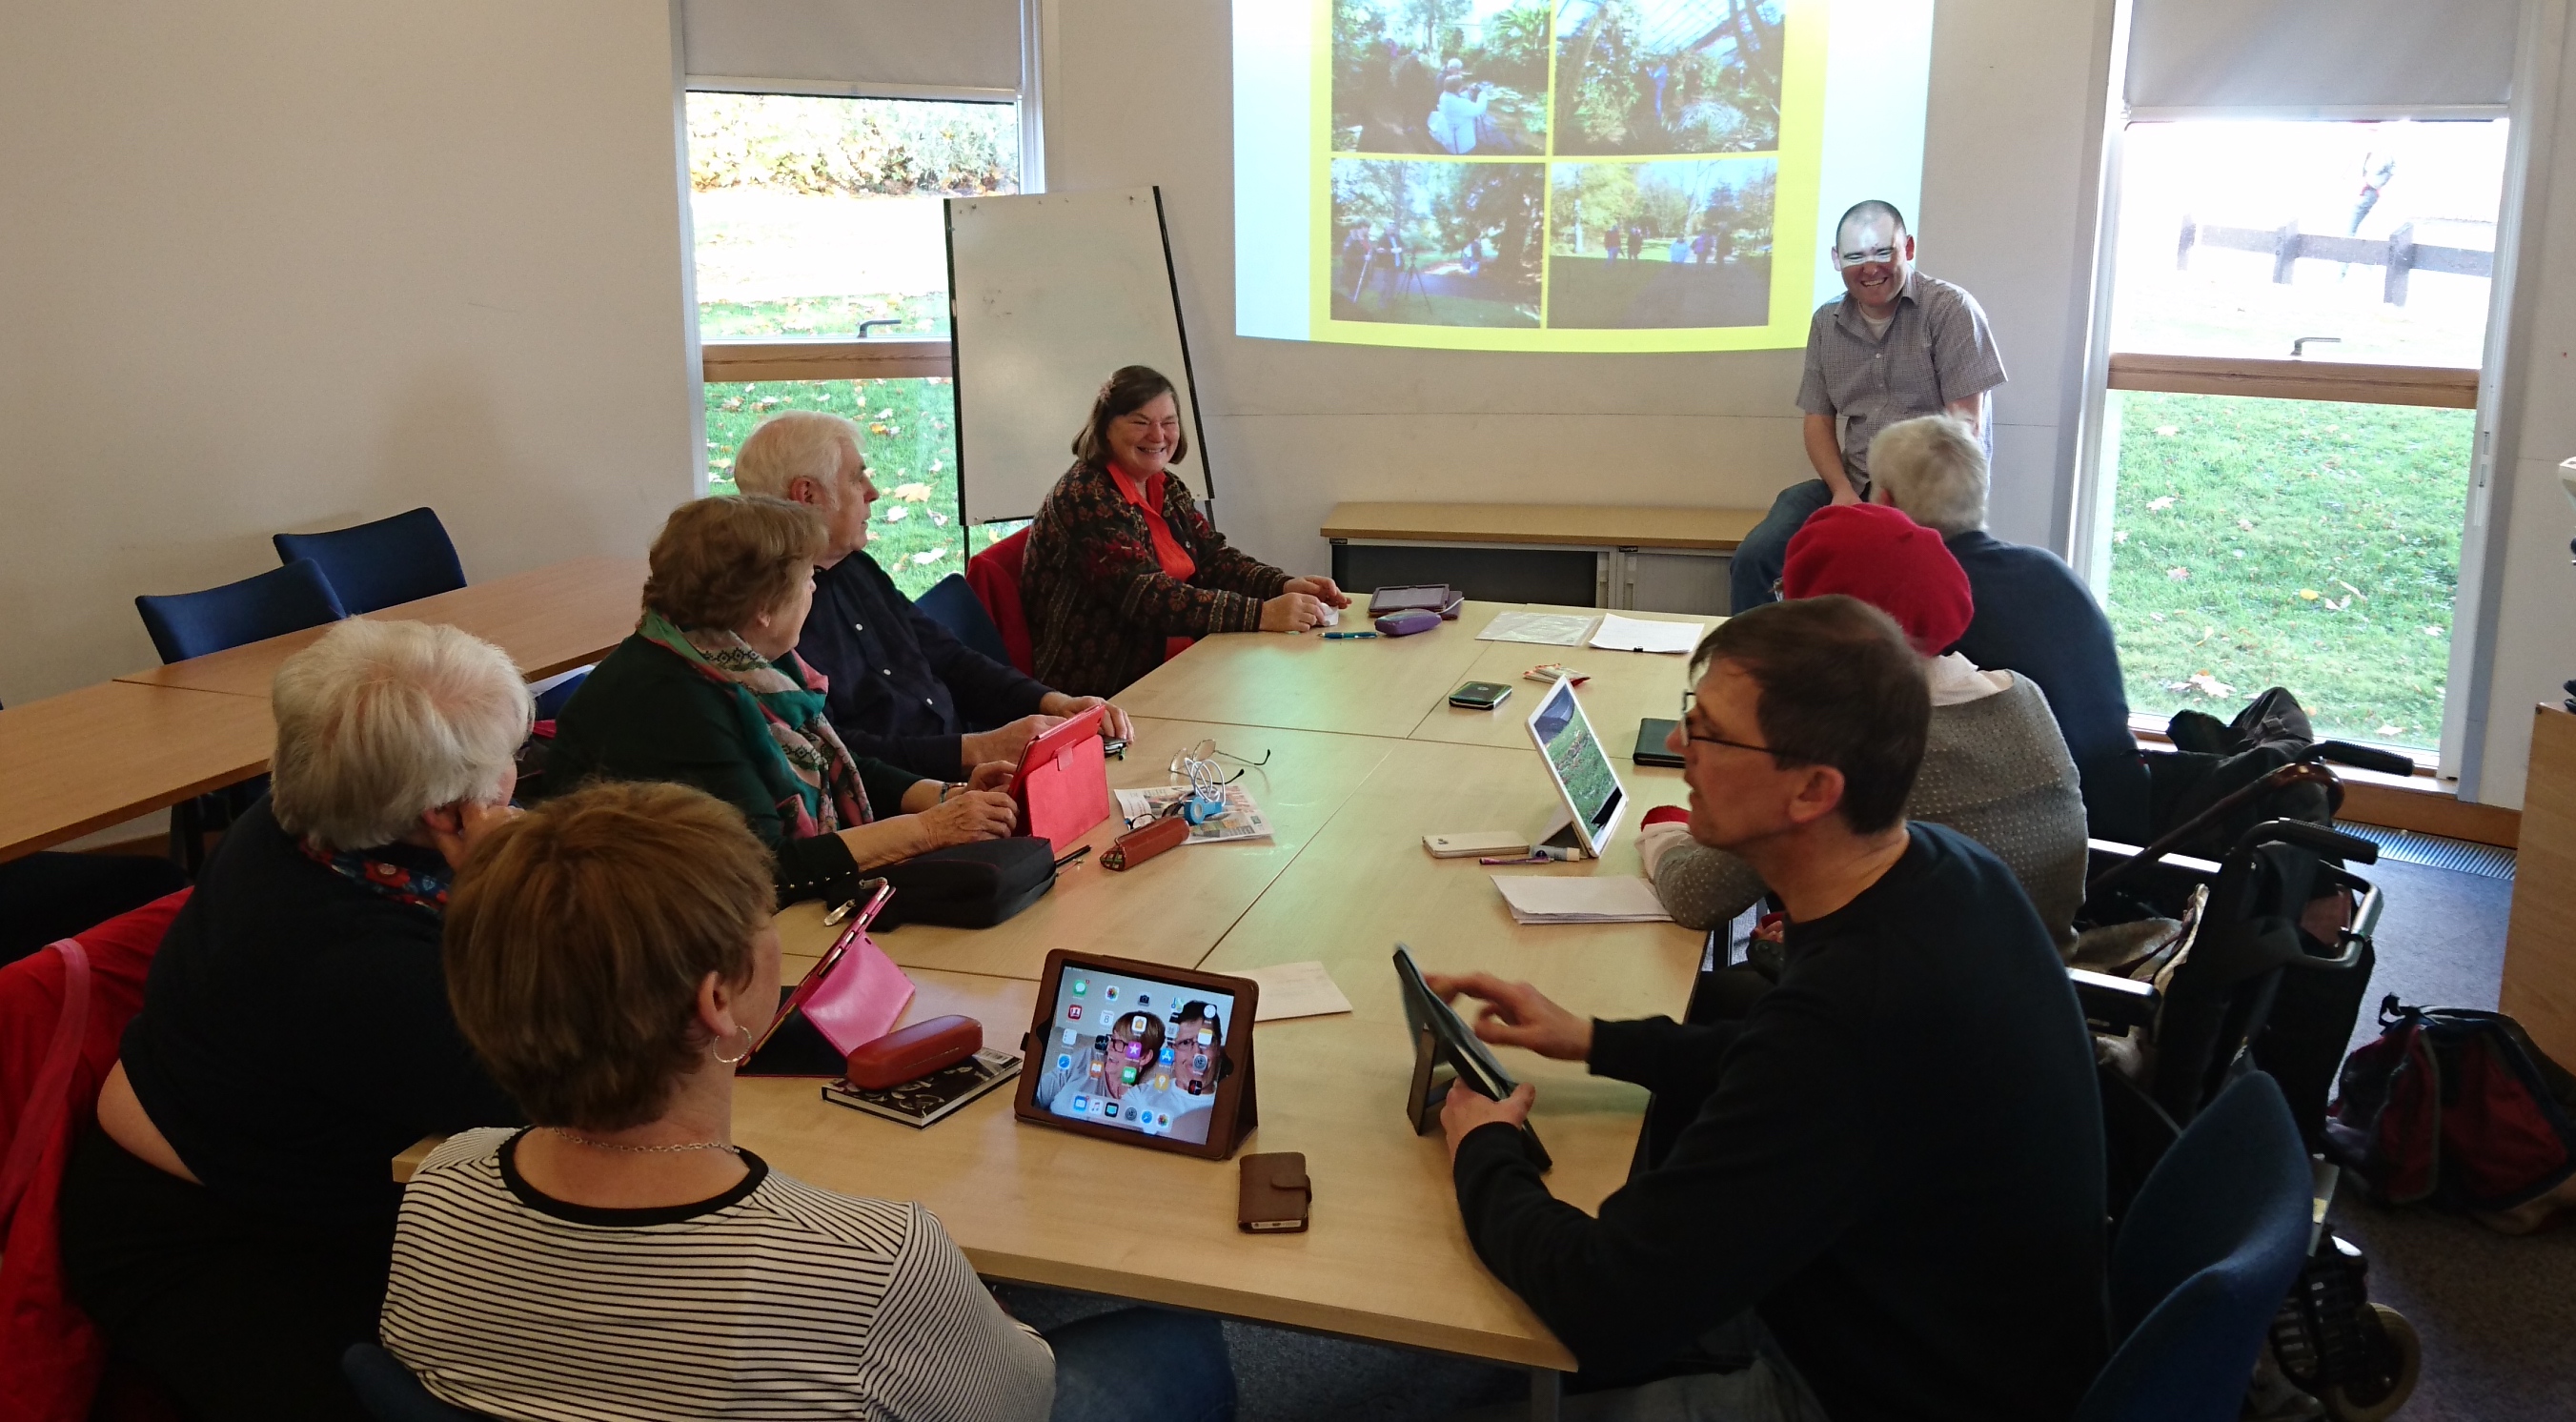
(1898, 345)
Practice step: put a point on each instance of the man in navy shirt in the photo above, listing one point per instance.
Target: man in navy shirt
(2034, 617)
(1894, 1159)
(903, 688)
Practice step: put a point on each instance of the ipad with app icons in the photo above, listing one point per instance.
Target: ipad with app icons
(1141, 1054)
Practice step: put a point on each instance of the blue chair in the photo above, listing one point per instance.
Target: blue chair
(2204, 1260)
(375, 565)
(953, 605)
(290, 599)
(390, 1393)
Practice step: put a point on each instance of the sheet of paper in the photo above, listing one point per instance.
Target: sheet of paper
(1241, 820)
(1633, 634)
(1547, 629)
(1295, 990)
(1566, 898)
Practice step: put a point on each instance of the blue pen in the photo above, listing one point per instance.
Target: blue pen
(1349, 636)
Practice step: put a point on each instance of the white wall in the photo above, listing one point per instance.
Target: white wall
(1138, 91)
(274, 265)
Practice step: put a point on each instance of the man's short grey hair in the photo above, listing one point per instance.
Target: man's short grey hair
(1933, 469)
(379, 722)
(793, 445)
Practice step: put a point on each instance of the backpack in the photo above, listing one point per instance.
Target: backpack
(2456, 1105)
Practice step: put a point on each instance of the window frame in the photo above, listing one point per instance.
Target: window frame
(2456, 764)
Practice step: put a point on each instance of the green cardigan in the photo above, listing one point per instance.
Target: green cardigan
(643, 714)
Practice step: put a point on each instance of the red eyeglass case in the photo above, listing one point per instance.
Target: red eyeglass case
(915, 1052)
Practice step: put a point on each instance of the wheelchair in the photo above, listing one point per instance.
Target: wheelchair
(2187, 968)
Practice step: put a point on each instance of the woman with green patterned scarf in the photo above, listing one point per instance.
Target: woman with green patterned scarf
(709, 692)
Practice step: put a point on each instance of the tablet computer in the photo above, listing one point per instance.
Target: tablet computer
(1585, 781)
(1141, 1054)
(1440, 1035)
(1062, 784)
(1047, 746)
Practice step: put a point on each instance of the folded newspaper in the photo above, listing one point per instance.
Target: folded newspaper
(1241, 818)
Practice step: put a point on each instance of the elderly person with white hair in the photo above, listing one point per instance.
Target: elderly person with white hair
(2034, 616)
(903, 688)
(230, 1224)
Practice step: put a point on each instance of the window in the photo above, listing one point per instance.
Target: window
(2298, 311)
(820, 245)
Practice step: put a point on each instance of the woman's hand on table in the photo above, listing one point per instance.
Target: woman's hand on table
(967, 816)
(1291, 612)
(1320, 589)
(1004, 742)
(1518, 1015)
(992, 775)
(1113, 722)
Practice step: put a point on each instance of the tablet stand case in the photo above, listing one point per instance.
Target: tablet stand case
(858, 1001)
(1422, 597)
(1064, 789)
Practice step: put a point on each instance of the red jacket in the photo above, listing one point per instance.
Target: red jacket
(63, 1010)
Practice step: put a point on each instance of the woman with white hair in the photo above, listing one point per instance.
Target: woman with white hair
(230, 1224)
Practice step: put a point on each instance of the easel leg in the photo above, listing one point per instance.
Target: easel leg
(1547, 1390)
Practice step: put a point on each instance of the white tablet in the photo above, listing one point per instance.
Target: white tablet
(1584, 780)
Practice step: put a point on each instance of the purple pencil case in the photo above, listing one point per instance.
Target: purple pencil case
(1405, 624)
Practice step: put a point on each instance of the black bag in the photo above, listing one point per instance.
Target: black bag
(2212, 760)
(968, 885)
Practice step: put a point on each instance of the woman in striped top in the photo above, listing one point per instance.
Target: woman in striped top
(611, 959)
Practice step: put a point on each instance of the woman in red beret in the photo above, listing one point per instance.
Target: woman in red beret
(1995, 768)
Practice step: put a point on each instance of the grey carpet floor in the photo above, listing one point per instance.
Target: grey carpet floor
(2497, 1316)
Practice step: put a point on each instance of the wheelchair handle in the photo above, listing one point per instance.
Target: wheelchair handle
(2362, 757)
(2308, 836)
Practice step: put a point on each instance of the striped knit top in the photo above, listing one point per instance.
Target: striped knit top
(772, 1300)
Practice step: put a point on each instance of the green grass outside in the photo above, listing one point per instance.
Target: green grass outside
(924, 317)
(2289, 542)
(911, 443)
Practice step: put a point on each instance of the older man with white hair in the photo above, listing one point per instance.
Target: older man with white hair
(904, 689)
(230, 1223)
(2034, 616)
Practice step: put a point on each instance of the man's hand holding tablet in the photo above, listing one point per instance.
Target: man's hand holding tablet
(1513, 1015)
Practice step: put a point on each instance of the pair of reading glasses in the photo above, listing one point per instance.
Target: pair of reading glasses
(1690, 704)
(1201, 761)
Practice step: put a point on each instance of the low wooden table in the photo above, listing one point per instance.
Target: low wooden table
(1661, 559)
(108, 753)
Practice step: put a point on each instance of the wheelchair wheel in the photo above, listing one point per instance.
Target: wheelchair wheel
(2389, 1378)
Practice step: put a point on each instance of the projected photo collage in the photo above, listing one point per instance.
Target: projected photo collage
(1554, 164)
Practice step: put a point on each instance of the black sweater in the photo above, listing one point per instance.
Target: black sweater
(295, 1033)
(903, 687)
(644, 714)
(1898, 1162)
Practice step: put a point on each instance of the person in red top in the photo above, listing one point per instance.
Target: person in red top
(1124, 572)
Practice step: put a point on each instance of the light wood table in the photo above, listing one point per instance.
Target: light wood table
(105, 754)
(549, 620)
(1579, 525)
(1622, 688)
(1372, 687)
(2539, 988)
(1387, 1258)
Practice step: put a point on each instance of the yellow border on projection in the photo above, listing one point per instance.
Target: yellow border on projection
(1793, 215)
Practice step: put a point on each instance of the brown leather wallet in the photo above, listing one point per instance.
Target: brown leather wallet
(1137, 846)
(1276, 1194)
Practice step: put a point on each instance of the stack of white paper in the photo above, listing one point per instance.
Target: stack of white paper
(1295, 990)
(1635, 634)
(1552, 898)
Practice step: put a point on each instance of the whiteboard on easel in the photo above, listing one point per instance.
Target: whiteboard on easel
(1049, 293)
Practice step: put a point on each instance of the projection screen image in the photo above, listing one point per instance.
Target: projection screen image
(1563, 175)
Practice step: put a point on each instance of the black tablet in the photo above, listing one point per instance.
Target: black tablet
(1141, 1054)
(1439, 1033)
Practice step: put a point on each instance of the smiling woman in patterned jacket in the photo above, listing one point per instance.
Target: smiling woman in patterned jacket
(1123, 571)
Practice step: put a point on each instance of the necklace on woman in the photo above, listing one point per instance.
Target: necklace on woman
(583, 1140)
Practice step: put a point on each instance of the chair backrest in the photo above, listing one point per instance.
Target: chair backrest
(953, 605)
(2204, 1259)
(390, 1393)
(375, 565)
(994, 574)
(287, 599)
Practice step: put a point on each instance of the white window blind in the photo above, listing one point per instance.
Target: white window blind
(2329, 54)
(948, 45)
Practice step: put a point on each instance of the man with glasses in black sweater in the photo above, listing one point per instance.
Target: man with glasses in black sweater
(1895, 1160)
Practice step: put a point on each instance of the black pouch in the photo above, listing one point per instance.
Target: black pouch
(968, 885)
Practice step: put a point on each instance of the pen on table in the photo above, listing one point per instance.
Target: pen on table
(1350, 636)
(1074, 858)
(1544, 854)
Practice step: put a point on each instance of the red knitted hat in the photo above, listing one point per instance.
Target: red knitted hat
(1875, 553)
